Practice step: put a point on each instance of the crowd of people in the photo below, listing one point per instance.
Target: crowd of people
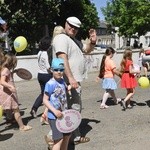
(60, 75)
(127, 73)
(66, 48)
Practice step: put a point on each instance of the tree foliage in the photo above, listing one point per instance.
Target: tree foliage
(35, 18)
(29, 18)
(131, 16)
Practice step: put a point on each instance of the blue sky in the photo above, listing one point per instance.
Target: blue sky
(99, 4)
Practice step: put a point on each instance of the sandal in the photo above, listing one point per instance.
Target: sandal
(44, 120)
(25, 128)
(50, 145)
(82, 140)
(49, 141)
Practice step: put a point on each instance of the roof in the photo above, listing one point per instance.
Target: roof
(102, 24)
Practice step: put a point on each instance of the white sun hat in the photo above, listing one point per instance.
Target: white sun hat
(74, 21)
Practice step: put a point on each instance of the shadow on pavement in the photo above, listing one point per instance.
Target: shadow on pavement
(84, 129)
(133, 103)
(4, 137)
(9, 127)
(138, 103)
(109, 102)
(148, 103)
(12, 124)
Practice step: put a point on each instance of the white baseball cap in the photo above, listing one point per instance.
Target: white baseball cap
(74, 21)
(2, 21)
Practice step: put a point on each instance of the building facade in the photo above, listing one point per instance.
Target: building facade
(105, 37)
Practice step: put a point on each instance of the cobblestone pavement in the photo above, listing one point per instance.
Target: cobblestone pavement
(109, 129)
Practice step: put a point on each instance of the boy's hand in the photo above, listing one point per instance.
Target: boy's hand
(58, 113)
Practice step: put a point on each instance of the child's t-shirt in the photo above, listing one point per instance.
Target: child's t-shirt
(109, 66)
(57, 95)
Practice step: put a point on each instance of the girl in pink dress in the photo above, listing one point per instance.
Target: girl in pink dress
(8, 93)
(128, 79)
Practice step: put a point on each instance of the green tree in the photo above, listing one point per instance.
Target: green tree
(84, 10)
(131, 16)
(90, 17)
(29, 18)
(35, 18)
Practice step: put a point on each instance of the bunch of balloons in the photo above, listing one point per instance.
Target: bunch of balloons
(144, 82)
(20, 43)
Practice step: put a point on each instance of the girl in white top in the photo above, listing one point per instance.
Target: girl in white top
(44, 73)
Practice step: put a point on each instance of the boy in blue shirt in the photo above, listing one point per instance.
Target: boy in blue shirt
(56, 102)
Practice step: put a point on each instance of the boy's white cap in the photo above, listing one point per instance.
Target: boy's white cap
(2, 21)
(74, 21)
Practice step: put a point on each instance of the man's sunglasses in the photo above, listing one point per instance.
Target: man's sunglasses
(72, 26)
(60, 70)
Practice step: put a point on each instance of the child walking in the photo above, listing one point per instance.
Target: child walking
(107, 72)
(8, 93)
(56, 102)
(128, 79)
(57, 30)
(43, 76)
(140, 63)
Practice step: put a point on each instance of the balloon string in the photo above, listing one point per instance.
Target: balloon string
(7, 99)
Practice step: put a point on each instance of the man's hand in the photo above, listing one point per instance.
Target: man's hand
(74, 84)
(92, 36)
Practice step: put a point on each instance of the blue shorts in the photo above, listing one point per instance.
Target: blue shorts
(109, 83)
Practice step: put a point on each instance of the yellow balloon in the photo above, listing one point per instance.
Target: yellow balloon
(20, 43)
(1, 111)
(143, 82)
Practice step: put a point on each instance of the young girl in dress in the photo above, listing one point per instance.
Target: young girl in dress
(8, 93)
(107, 72)
(128, 79)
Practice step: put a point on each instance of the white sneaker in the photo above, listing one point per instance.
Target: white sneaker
(103, 106)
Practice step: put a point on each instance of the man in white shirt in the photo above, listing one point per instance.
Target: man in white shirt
(66, 46)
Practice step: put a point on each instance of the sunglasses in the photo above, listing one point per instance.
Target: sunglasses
(60, 70)
(72, 26)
